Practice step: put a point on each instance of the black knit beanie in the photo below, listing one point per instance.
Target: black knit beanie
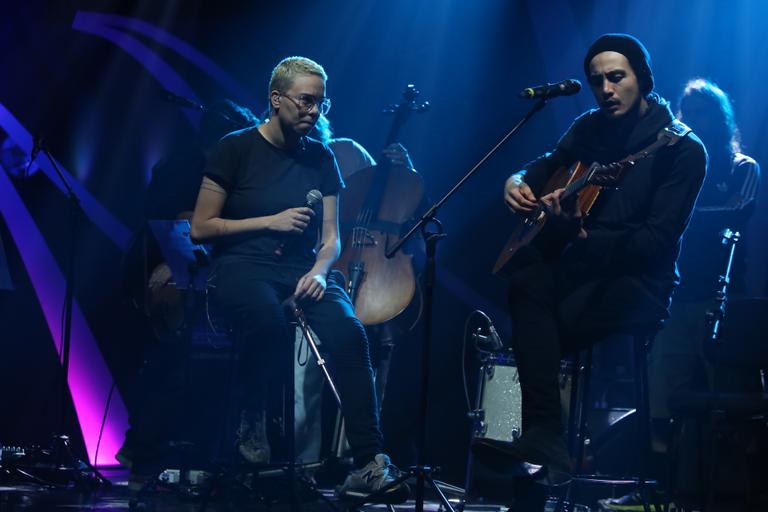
(632, 49)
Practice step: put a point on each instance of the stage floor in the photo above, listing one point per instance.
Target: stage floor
(30, 497)
(34, 497)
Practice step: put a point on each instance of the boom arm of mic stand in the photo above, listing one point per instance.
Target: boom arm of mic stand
(71, 195)
(430, 214)
(186, 102)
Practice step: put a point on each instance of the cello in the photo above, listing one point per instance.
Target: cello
(373, 207)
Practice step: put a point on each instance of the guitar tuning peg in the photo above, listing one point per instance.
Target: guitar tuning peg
(411, 92)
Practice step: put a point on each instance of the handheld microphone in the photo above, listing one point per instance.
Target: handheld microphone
(314, 196)
(547, 91)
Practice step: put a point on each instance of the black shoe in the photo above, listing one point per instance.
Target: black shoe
(539, 455)
(125, 456)
(632, 502)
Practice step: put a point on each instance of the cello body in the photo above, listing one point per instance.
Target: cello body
(386, 286)
(373, 207)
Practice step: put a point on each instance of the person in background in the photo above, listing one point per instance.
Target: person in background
(159, 388)
(727, 200)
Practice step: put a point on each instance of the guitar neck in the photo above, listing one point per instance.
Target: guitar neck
(576, 186)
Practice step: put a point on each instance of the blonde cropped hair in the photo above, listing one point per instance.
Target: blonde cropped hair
(291, 67)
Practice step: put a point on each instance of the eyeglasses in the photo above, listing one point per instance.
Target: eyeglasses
(307, 102)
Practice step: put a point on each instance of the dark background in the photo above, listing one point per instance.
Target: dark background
(103, 118)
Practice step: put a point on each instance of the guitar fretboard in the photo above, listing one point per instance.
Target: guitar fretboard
(576, 185)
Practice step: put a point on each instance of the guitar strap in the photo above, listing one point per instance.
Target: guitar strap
(667, 136)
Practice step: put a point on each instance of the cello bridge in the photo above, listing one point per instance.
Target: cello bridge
(361, 237)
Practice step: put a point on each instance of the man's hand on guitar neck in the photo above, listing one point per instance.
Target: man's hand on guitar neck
(565, 212)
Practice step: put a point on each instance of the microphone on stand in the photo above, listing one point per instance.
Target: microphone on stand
(547, 91)
(314, 196)
(180, 100)
(492, 340)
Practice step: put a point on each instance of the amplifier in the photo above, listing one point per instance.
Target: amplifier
(501, 399)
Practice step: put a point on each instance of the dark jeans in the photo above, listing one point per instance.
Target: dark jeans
(251, 294)
(554, 314)
(160, 396)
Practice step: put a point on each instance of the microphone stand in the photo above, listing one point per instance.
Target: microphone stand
(62, 454)
(422, 472)
(715, 315)
(181, 101)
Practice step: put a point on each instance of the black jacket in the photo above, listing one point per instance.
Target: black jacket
(636, 229)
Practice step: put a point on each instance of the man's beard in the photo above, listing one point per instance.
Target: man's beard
(629, 118)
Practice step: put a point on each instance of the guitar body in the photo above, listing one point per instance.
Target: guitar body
(526, 229)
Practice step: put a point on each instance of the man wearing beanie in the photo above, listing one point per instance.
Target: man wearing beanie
(608, 274)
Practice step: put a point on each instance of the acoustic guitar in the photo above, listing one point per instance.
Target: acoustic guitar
(586, 181)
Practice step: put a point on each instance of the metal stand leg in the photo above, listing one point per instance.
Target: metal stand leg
(477, 417)
(301, 321)
(421, 471)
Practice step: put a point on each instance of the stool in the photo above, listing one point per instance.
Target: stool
(641, 343)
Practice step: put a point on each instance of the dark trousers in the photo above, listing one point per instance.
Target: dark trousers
(159, 398)
(555, 312)
(251, 295)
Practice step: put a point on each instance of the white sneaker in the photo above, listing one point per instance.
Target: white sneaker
(376, 475)
(252, 443)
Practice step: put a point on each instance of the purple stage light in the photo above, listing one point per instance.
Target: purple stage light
(100, 24)
(89, 377)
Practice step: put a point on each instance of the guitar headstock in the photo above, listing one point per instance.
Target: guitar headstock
(608, 175)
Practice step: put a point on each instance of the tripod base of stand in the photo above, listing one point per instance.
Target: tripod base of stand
(423, 476)
(54, 466)
(268, 485)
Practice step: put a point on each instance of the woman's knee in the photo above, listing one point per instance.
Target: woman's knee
(347, 341)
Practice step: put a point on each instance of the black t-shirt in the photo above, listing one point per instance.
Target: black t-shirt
(260, 180)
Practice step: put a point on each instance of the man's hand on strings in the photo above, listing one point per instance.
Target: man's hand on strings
(518, 195)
